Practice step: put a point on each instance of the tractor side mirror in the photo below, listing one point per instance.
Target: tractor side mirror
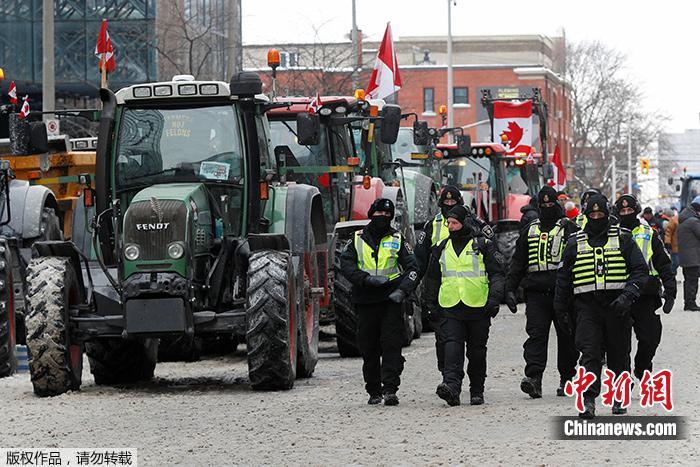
(421, 137)
(670, 180)
(464, 145)
(285, 159)
(547, 171)
(391, 119)
(678, 188)
(38, 139)
(308, 129)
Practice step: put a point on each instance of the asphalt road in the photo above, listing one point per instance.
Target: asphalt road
(204, 413)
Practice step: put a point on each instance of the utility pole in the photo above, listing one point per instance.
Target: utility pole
(48, 88)
(354, 56)
(450, 89)
(629, 161)
(613, 180)
(234, 46)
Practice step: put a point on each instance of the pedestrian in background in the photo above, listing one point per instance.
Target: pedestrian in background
(688, 233)
(383, 272)
(671, 238)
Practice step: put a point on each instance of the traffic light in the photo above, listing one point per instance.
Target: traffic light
(645, 165)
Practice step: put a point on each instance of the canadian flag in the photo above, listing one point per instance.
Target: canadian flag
(24, 111)
(385, 79)
(12, 92)
(559, 180)
(512, 126)
(315, 105)
(104, 46)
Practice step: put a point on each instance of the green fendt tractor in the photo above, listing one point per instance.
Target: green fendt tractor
(193, 234)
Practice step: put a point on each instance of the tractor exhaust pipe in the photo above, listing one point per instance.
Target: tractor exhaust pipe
(102, 167)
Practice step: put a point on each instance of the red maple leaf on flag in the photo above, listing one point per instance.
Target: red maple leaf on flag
(514, 134)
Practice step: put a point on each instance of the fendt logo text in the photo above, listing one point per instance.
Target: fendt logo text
(157, 226)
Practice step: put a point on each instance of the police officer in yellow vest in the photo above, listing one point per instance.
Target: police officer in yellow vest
(382, 269)
(534, 266)
(645, 322)
(581, 219)
(465, 280)
(601, 275)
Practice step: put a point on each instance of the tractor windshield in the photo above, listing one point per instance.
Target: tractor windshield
(178, 145)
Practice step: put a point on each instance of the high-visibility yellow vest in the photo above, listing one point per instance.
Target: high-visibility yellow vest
(464, 277)
(581, 220)
(387, 262)
(545, 248)
(643, 234)
(599, 268)
(440, 231)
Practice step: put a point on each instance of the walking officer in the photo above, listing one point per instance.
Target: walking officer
(434, 232)
(601, 275)
(382, 269)
(581, 219)
(645, 322)
(535, 262)
(465, 281)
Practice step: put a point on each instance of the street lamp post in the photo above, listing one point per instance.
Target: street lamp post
(450, 89)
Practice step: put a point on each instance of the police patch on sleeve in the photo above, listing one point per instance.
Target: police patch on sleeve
(413, 275)
(420, 237)
(487, 231)
(409, 249)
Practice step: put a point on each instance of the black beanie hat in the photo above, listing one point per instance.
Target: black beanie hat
(381, 204)
(451, 192)
(547, 195)
(597, 203)
(627, 200)
(460, 213)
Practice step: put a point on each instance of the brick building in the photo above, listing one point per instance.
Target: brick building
(509, 66)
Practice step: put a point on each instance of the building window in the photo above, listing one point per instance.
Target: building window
(461, 95)
(428, 100)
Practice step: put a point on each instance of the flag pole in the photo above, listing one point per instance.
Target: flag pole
(103, 68)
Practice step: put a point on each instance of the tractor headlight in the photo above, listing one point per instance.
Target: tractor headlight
(132, 252)
(176, 250)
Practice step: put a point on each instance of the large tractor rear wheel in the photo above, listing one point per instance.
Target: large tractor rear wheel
(114, 360)
(271, 312)
(8, 360)
(308, 319)
(55, 363)
(345, 315)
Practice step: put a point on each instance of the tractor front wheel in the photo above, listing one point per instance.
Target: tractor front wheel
(114, 360)
(271, 312)
(55, 363)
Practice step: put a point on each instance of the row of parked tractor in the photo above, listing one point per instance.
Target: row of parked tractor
(209, 215)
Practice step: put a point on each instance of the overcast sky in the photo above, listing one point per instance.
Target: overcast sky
(660, 39)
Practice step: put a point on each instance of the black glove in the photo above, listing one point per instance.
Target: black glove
(376, 281)
(512, 302)
(397, 296)
(621, 305)
(492, 308)
(668, 304)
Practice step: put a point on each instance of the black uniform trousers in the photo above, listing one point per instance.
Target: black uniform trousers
(599, 327)
(690, 284)
(475, 334)
(380, 336)
(539, 313)
(647, 328)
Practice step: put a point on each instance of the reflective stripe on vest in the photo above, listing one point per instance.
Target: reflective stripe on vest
(581, 221)
(643, 234)
(545, 248)
(464, 277)
(599, 268)
(440, 231)
(387, 263)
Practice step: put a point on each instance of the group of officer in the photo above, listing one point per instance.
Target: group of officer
(582, 275)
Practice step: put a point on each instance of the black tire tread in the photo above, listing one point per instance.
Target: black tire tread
(114, 360)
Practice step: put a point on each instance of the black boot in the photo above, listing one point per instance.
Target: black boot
(691, 307)
(531, 387)
(476, 399)
(617, 408)
(374, 400)
(447, 394)
(391, 399)
(589, 408)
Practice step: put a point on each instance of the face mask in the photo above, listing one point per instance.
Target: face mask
(379, 224)
(550, 213)
(628, 221)
(596, 226)
(445, 210)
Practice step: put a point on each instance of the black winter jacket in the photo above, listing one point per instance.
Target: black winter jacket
(688, 238)
(407, 281)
